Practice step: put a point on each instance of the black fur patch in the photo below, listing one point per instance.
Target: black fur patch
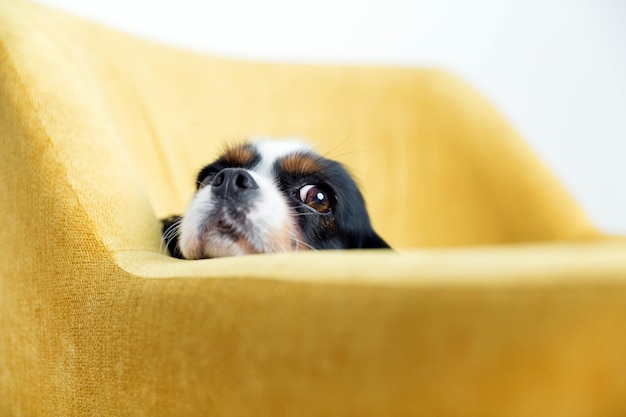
(347, 225)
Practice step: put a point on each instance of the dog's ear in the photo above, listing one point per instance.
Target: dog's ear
(372, 241)
(170, 229)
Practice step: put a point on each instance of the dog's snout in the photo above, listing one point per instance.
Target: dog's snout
(232, 181)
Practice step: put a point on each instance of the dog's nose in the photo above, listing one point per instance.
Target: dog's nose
(232, 181)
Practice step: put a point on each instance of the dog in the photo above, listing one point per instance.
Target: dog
(270, 196)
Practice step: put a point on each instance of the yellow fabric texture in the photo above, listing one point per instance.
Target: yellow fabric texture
(503, 299)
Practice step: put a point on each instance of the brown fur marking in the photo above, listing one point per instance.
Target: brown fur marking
(239, 156)
(300, 164)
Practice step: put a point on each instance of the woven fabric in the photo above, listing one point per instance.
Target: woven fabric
(502, 300)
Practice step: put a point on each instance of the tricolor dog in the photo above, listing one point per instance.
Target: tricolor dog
(271, 196)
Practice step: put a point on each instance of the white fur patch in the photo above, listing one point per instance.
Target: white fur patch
(272, 150)
(192, 226)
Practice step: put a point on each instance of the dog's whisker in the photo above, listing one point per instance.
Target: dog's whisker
(172, 231)
(299, 242)
(306, 214)
(349, 153)
(339, 145)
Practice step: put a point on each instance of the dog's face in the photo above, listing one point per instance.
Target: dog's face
(271, 196)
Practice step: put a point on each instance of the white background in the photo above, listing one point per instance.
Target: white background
(555, 68)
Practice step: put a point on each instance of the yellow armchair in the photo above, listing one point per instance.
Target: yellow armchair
(502, 300)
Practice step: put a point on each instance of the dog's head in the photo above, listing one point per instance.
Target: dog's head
(271, 196)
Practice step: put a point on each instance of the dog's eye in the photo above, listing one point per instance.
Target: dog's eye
(207, 181)
(315, 197)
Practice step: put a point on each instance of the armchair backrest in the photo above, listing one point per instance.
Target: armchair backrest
(437, 164)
